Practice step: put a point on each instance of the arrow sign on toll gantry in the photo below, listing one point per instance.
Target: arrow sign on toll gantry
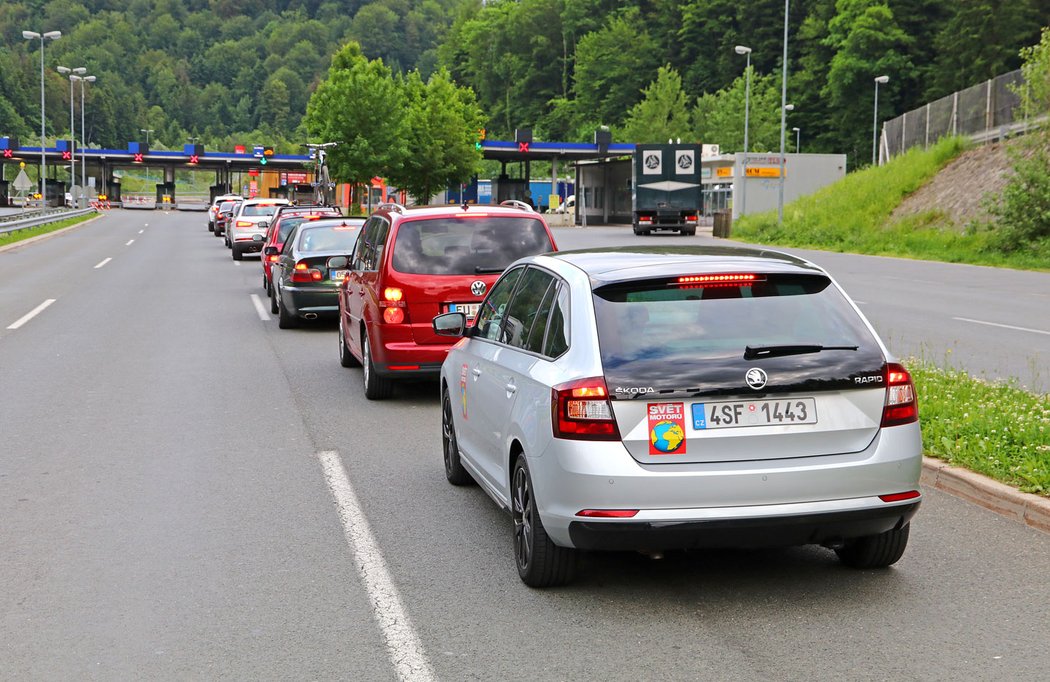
(22, 182)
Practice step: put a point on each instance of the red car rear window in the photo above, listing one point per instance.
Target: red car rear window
(467, 246)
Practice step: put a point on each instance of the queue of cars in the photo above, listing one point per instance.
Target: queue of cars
(628, 398)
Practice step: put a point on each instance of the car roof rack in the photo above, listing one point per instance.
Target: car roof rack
(392, 206)
(514, 203)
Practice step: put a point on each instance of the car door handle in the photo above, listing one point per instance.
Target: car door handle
(476, 372)
(511, 389)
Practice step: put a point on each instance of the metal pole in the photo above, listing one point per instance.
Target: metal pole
(83, 145)
(875, 122)
(747, 112)
(72, 146)
(783, 115)
(43, 159)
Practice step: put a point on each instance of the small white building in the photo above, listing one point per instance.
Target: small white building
(724, 179)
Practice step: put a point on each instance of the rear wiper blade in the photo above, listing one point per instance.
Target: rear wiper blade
(481, 269)
(758, 352)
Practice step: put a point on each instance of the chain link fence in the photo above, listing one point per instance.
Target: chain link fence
(991, 110)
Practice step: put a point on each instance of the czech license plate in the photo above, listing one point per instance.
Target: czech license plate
(725, 415)
(338, 275)
(468, 309)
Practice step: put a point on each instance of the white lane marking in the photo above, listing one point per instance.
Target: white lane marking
(1004, 326)
(237, 263)
(257, 302)
(130, 242)
(402, 643)
(860, 302)
(31, 314)
(141, 231)
(103, 263)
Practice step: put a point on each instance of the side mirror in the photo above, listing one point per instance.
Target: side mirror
(450, 324)
(271, 251)
(337, 262)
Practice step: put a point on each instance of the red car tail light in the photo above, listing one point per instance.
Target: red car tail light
(900, 497)
(608, 513)
(645, 219)
(901, 407)
(393, 304)
(581, 411)
(304, 273)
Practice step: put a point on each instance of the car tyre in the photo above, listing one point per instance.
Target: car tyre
(273, 301)
(237, 254)
(540, 562)
(454, 471)
(346, 358)
(285, 320)
(376, 387)
(875, 551)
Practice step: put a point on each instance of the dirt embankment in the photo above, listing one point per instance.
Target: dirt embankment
(959, 190)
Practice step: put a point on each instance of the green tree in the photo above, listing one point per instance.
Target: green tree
(719, 116)
(361, 107)
(663, 112)
(440, 127)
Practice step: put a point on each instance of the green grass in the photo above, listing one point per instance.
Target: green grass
(21, 235)
(993, 428)
(853, 215)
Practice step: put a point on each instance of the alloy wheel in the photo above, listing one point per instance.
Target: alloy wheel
(522, 512)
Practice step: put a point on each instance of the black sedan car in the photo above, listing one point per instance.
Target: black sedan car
(310, 267)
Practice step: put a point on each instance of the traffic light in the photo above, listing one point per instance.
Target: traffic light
(481, 138)
(266, 154)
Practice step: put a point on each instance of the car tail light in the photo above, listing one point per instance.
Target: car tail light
(581, 411)
(901, 406)
(900, 497)
(244, 223)
(690, 219)
(273, 259)
(393, 304)
(645, 219)
(304, 273)
(608, 513)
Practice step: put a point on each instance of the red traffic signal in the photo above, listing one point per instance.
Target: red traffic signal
(194, 159)
(523, 146)
(66, 156)
(9, 154)
(138, 158)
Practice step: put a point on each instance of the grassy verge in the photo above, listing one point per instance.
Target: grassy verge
(853, 215)
(22, 235)
(995, 429)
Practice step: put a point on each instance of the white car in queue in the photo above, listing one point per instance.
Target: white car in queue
(648, 399)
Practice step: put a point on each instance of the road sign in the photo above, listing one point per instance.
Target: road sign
(22, 182)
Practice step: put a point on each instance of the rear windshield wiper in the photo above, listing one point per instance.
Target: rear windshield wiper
(758, 352)
(481, 269)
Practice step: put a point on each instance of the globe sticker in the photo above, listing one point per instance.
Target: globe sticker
(666, 429)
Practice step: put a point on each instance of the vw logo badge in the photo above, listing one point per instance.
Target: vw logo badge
(477, 287)
(755, 378)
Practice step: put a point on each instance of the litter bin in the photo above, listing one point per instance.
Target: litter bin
(723, 222)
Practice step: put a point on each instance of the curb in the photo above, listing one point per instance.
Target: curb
(1031, 510)
(48, 235)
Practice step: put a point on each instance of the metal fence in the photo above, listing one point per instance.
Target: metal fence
(983, 112)
(38, 218)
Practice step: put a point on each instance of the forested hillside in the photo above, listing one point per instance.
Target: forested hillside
(238, 71)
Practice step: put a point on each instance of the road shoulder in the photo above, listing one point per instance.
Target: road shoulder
(1031, 510)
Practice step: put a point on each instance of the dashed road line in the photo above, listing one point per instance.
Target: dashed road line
(237, 263)
(257, 302)
(103, 263)
(141, 231)
(31, 314)
(130, 242)
(1004, 326)
(403, 646)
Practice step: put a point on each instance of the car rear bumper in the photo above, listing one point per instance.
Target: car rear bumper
(306, 301)
(800, 498)
(403, 357)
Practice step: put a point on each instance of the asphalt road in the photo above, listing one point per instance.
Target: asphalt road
(172, 507)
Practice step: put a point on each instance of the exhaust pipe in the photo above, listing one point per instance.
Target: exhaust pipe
(310, 316)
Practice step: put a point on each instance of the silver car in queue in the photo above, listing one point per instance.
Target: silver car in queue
(652, 399)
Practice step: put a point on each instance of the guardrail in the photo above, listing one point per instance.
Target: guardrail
(52, 216)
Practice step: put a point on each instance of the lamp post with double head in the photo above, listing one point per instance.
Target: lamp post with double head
(74, 75)
(83, 131)
(147, 131)
(875, 124)
(745, 50)
(783, 113)
(783, 159)
(50, 35)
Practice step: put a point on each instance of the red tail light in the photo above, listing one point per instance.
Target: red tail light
(304, 273)
(902, 407)
(690, 219)
(900, 497)
(273, 259)
(581, 411)
(645, 219)
(393, 303)
(608, 513)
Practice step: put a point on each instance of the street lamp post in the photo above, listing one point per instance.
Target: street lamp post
(798, 138)
(743, 49)
(50, 35)
(783, 114)
(74, 75)
(875, 124)
(83, 131)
